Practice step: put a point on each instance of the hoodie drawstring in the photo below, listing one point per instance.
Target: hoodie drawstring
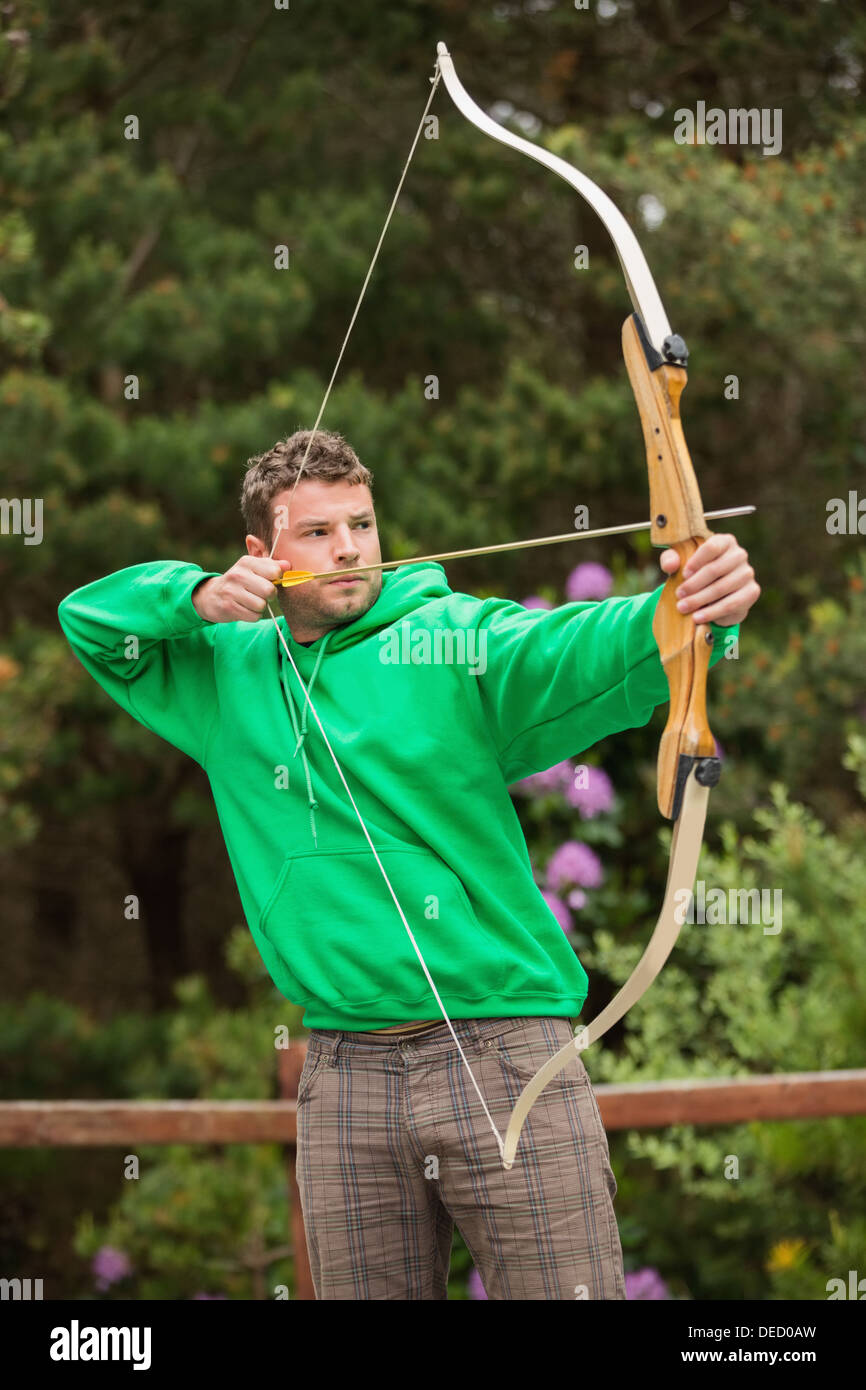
(301, 734)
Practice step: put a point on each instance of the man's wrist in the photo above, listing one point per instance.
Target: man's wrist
(198, 599)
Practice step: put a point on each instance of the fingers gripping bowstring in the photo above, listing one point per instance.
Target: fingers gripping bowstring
(283, 525)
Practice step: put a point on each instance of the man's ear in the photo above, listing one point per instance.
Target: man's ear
(256, 546)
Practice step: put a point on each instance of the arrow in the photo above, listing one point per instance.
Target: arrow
(291, 578)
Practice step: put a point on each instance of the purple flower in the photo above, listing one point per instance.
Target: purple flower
(109, 1265)
(476, 1288)
(553, 779)
(210, 1295)
(576, 898)
(535, 601)
(589, 581)
(590, 791)
(574, 863)
(646, 1284)
(559, 910)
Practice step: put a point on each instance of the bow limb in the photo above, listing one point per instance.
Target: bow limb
(687, 767)
(641, 286)
(682, 867)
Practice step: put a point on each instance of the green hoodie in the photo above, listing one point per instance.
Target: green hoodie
(428, 746)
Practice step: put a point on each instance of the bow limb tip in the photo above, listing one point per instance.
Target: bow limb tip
(512, 1136)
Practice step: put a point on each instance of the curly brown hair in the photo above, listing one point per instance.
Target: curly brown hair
(330, 459)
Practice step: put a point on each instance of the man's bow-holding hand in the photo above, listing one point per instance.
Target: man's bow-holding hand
(718, 581)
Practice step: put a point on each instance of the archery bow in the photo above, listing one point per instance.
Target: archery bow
(688, 766)
(655, 360)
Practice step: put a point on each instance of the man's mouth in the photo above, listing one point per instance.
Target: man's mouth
(343, 583)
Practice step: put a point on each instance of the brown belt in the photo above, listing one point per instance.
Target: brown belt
(401, 1029)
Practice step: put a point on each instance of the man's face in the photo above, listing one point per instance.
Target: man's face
(326, 526)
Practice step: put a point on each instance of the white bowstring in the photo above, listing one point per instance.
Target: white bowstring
(384, 874)
(434, 84)
(307, 697)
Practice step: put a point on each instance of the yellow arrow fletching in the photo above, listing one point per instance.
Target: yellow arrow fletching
(292, 577)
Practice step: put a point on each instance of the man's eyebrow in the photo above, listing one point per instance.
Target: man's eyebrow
(326, 521)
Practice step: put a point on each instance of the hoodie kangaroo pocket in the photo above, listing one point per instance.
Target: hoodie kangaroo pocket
(335, 924)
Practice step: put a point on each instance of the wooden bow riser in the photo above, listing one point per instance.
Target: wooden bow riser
(677, 515)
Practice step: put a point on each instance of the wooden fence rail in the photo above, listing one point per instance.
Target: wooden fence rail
(634, 1105)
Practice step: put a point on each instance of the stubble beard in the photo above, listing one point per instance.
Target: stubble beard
(309, 611)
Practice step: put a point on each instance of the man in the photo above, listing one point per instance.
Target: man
(414, 890)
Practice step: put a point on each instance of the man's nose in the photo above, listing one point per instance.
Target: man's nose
(345, 546)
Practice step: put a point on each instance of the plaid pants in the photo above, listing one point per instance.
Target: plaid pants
(394, 1150)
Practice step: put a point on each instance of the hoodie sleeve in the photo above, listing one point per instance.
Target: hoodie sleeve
(556, 682)
(139, 636)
